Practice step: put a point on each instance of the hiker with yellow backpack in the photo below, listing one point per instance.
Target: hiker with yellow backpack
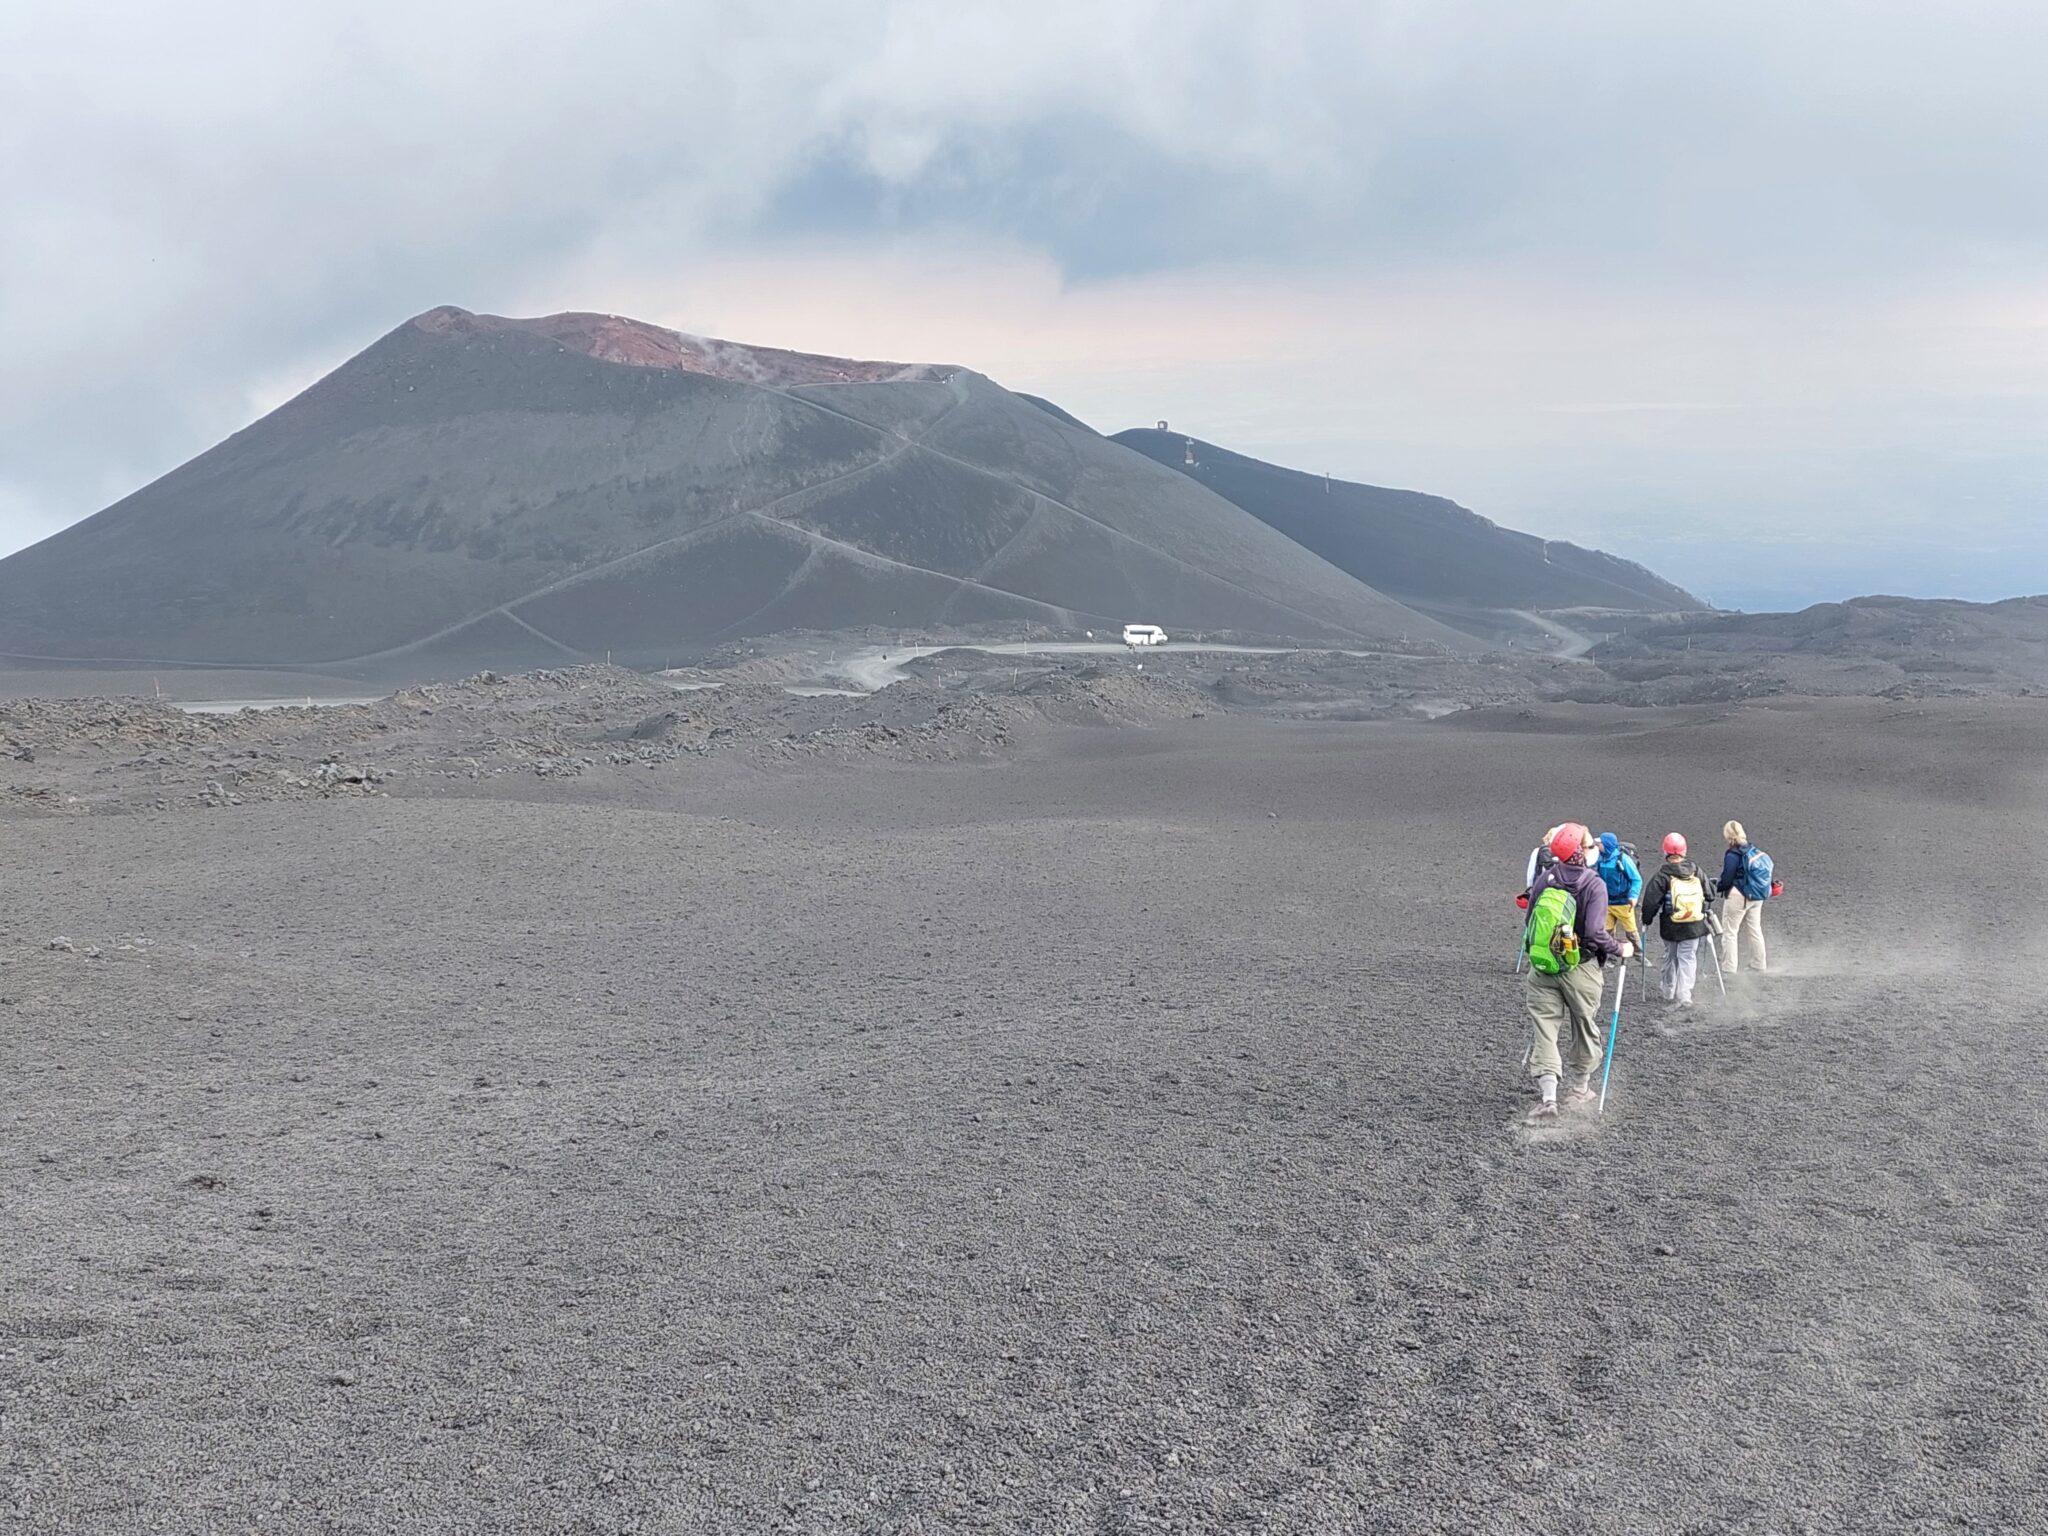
(1567, 943)
(1679, 897)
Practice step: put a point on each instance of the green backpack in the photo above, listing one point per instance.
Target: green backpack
(1553, 942)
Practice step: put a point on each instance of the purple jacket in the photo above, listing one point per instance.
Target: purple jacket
(1590, 892)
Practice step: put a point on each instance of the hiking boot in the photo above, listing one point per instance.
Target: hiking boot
(1577, 1097)
(1542, 1112)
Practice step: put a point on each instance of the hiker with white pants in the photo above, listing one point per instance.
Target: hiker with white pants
(1745, 884)
(1679, 897)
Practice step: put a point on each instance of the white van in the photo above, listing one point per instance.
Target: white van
(1144, 634)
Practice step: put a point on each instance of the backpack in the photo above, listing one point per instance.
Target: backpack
(1755, 883)
(1687, 901)
(1552, 942)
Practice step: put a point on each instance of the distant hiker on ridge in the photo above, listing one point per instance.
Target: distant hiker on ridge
(1678, 897)
(1567, 942)
(1746, 882)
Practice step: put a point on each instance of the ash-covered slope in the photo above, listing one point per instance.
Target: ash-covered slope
(473, 490)
(1421, 549)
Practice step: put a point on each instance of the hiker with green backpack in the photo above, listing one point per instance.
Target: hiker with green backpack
(1567, 943)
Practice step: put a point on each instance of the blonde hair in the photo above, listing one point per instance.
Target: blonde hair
(1734, 833)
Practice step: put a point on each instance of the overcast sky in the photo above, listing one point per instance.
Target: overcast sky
(1756, 293)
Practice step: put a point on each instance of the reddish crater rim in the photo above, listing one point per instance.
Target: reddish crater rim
(636, 344)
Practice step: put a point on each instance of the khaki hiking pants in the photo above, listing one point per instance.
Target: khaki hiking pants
(1742, 925)
(1565, 1013)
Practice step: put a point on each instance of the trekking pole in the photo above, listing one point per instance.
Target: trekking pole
(1613, 1035)
(1714, 948)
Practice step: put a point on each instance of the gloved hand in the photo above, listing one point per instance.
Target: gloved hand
(1628, 950)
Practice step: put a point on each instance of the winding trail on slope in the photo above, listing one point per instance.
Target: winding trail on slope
(1067, 616)
(903, 444)
(1116, 534)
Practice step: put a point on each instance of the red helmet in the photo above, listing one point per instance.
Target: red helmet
(1674, 845)
(1569, 840)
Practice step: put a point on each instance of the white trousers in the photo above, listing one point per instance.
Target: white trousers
(1742, 925)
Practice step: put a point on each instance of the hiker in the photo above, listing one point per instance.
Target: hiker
(1567, 943)
(1540, 859)
(1624, 880)
(1677, 895)
(1745, 884)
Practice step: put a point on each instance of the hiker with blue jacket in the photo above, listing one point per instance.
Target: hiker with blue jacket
(1624, 880)
(1567, 942)
(1746, 885)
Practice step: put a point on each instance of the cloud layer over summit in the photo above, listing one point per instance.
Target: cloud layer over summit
(1752, 293)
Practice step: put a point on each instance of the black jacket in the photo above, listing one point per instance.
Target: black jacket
(1657, 900)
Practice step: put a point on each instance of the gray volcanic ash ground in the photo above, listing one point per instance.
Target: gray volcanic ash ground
(759, 1121)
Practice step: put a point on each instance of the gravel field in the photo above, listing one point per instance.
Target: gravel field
(1114, 1129)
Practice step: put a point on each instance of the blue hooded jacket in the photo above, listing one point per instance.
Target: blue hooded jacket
(1618, 870)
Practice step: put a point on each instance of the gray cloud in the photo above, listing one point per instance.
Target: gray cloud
(1832, 205)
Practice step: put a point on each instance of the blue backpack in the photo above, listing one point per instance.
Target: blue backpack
(1755, 883)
